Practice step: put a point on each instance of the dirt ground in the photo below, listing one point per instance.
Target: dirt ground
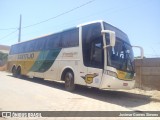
(3, 68)
(39, 95)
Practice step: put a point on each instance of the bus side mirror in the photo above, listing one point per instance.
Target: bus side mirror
(142, 51)
(112, 36)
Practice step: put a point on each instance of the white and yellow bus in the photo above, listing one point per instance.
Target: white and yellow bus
(94, 54)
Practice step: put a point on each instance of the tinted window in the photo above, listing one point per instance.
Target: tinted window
(15, 49)
(29, 46)
(40, 44)
(12, 51)
(70, 38)
(20, 48)
(92, 46)
(53, 41)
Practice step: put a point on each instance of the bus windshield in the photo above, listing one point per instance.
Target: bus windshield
(121, 56)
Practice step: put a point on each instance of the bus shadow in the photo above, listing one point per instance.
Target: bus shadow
(121, 98)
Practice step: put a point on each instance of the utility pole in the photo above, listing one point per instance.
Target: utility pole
(19, 35)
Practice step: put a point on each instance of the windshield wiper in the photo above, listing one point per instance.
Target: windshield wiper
(129, 58)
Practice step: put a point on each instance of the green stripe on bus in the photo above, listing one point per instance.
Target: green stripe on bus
(45, 60)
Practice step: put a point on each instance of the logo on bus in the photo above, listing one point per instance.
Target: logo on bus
(89, 78)
(26, 56)
(71, 54)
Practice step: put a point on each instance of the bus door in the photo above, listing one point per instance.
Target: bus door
(92, 48)
(95, 68)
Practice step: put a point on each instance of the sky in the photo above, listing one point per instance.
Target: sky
(139, 19)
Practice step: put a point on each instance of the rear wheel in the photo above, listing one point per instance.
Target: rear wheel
(14, 71)
(69, 81)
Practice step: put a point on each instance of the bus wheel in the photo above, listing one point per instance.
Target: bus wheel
(18, 72)
(69, 81)
(14, 71)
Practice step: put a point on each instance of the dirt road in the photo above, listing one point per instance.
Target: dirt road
(39, 95)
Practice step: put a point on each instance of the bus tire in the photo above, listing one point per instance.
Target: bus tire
(69, 81)
(14, 71)
(18, 72)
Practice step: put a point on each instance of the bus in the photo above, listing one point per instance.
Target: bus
(94, 54)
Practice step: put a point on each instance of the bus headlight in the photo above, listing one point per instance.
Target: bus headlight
(111, 73)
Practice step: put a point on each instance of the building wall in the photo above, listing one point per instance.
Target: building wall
(4, 48)
(148, 73)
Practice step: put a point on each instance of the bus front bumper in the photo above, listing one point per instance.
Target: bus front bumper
(110, 82)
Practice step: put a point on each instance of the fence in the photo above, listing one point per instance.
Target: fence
(148, 73)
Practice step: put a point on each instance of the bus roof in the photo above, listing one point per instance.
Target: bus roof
(80, 25)
(45, 35)
(97, 21)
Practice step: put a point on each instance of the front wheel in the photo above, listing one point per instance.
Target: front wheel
(69, 81)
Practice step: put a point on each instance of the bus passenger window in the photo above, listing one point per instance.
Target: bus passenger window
(40, 44)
